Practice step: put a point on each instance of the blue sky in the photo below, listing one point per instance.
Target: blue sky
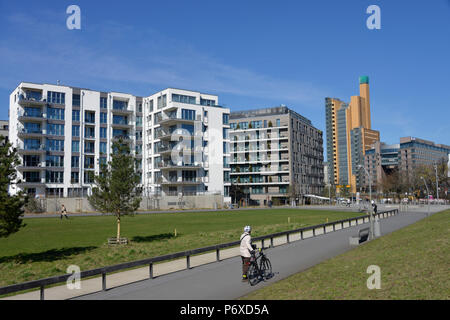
(252, 54)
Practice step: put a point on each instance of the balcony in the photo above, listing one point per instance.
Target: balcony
(121, 107)
(174, 119)
(31, 166)
(180, 181)
(31, 149)
(167, 165)
(32, 100)
(125, 138)
(31, 116)
(29, 133)
(122, 124)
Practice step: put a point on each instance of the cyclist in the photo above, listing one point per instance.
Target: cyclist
(246, 250)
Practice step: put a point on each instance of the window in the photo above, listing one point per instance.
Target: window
(102, 132)
(151, 106)
(56, 97)
(225, 133)
(89, 162)
(120, 105)
(138, 121)
(75, 131)
(75, 115)
(89, 116)
(103, 147)
(54, 176)
(89, 132)
(103, 117)
(76, 100)
(89, 147)
(55, 129)
(207, 102)
(120, 119)
(225, 117)
(74, 177)
(102, 160)
(54, 161)
(225, 147)
(55, 113)
(55, 145)
(183, 99)
(188, 114)
(75, 146)
(103, 102)
(88, 177)
(278, 123)
(75, 162)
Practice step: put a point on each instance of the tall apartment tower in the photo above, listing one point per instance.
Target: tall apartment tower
(276, 155)
(349, 136)
(64, 133)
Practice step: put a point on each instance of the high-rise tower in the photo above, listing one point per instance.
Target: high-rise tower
(349, 135)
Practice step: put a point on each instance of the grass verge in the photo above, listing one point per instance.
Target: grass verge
(414, 264)
(47, 246)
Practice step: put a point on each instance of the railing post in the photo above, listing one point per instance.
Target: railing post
(342, 225)
(217, 254)
(301, 235)
(314, 232)
(287, 237)
(271, 242)
(42, 293)
(103, 281)
(188, 261)
(324, 229)
(334, 226)
(150, 270)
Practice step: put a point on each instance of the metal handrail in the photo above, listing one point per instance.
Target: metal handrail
(41, 283)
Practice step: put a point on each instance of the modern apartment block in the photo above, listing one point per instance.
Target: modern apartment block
(64, 133)
(382, 159)
(349, 136)
(276, 155)
(4, 128)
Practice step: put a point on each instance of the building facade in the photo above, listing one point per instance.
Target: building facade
(382, 159)
(4, 128)
(276, 155)
(64, 133)
(349, 136)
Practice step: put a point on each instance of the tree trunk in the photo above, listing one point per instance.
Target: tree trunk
(118, 229)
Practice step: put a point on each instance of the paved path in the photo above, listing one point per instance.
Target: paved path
(222, 280)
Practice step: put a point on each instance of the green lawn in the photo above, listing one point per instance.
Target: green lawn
(414, 264)
(47, 246)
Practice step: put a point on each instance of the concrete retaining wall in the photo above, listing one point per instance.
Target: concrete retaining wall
(80, 205)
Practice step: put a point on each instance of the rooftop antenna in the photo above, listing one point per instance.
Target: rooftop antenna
(57, 82)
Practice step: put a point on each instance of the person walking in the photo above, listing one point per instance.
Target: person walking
(63, 211)
(374, 205)
(246, 251)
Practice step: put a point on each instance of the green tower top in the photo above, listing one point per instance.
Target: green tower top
(364, 79)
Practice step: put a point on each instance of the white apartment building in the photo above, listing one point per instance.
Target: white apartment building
(63, 134)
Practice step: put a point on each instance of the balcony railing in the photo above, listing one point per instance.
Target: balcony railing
(31, 114)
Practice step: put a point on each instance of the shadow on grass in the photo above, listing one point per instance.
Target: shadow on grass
(48, 256)
(155, 237)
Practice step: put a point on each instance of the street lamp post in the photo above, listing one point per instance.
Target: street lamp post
(428, 195)
(370, 200)
(437, 184)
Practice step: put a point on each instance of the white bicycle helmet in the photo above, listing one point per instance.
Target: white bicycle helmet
(247, 229)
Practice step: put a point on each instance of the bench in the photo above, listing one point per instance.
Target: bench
(363, 235)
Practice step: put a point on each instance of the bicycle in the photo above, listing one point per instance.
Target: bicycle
(263, 270)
